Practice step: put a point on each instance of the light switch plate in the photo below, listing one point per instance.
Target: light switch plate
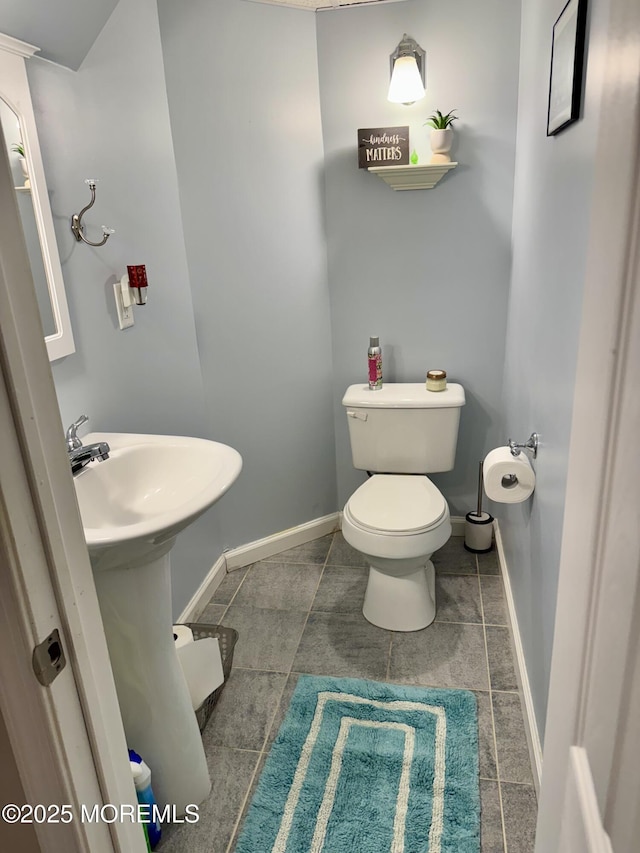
(125, 315)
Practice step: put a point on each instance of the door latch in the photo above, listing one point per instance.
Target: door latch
(48, 659)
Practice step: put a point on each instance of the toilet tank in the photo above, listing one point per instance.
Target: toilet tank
(402, 428)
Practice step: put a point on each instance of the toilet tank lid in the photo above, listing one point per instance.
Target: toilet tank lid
(404, 395)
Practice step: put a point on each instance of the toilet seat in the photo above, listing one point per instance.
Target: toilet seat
(397, 505)
(397, 521)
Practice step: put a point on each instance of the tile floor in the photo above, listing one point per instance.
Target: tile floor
(300, 612)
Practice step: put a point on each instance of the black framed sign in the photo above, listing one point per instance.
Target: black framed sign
(383, 146)
(567, 59)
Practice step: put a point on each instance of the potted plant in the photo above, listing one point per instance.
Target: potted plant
(18, 147)
(441, 136)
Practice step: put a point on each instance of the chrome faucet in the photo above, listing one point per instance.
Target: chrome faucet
(79, 454)
(71, 438)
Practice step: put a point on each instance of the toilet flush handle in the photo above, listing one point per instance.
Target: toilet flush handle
(361, 416)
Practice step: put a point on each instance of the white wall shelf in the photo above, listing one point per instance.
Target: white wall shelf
(412, 177)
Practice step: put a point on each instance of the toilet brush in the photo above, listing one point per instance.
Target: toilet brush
(478, 527)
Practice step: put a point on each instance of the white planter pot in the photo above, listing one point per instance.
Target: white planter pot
(23, 166)
(441, 145)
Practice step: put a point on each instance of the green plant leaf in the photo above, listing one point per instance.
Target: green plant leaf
(441, 122)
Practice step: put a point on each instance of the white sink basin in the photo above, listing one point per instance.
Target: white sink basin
(133, 505)
(148, 490)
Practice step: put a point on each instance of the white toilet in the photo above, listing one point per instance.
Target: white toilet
(398, 518)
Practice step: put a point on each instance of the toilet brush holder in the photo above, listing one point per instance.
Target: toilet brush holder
(478, 532)
(478, 525)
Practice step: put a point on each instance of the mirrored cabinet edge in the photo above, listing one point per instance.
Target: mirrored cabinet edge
(25, 160)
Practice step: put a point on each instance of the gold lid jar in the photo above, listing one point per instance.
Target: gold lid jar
(436, 380)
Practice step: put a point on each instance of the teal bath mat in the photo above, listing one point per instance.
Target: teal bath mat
(364, 767)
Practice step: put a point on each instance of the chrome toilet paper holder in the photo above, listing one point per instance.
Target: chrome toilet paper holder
(530, 444)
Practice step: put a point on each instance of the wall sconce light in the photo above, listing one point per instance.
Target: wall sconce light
(407, 72)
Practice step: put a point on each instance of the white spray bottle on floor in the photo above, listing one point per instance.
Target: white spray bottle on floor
(142, 781)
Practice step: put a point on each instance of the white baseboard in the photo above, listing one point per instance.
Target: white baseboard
(270, 545)
(457, 525)
(244, 555)
(530, 722)
(200, 598)
(236, 558)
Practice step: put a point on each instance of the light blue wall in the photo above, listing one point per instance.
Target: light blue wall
(428, 270)
(234, 343)
(96, 123)
(110, 121)
(550, 231)
(242, 82)
(239, 339)
(63, 30)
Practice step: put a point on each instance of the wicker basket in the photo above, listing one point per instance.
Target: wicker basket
(227, 638)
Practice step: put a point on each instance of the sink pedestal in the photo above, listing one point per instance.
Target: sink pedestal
(133, 505)
(156, 709)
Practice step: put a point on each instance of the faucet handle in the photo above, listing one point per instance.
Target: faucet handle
(72, 440)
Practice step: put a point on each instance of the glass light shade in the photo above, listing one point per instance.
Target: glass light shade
(406, 82)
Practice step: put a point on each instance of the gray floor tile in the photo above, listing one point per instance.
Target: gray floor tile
(231, 775)
(501, 667)
(342, 554)
(493, 600)
(520, 815)
(285, 699)
(343, 644)
(338, 641)
(486, 739)
(213, 613)
(513, 753)
(453, 559)
(229, 585)
(443, 655)
(244, 712)
(491, 835)
(488, 563)
(279, 586)
(341, 589)
(309, 552)
(247, 804)
(267, 639)
(458, 599)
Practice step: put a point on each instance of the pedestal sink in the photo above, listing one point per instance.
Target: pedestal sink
(133, 505)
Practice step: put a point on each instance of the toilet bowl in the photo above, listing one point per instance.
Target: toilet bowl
(400, 433)
(397, 521)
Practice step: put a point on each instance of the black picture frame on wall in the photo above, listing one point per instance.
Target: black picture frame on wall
(567, 61)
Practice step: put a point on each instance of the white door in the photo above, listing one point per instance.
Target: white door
(67, 738)
(590, 791)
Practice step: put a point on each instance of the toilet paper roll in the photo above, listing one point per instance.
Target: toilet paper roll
(508, 479)
(182, 635)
